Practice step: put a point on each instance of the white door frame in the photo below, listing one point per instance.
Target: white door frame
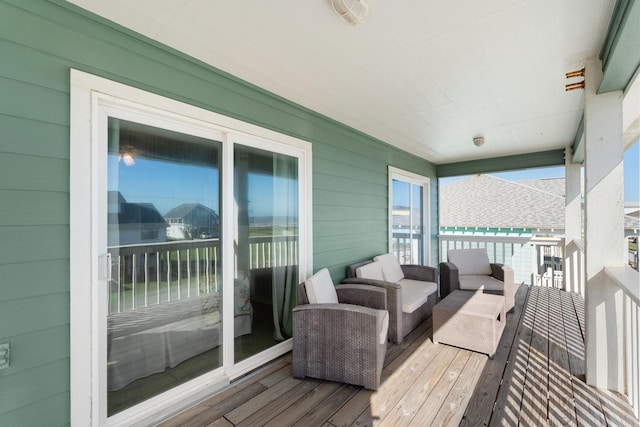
(92, 98)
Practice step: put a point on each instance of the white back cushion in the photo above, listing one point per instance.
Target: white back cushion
(384, 327)
(373, 270)
(391, 269)
(320, 289)
(470, 261)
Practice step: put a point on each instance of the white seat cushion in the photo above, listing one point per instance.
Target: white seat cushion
(320, 288)
(373, 270)
(474, 282)
(391, 269)
(415, 293)
(470, 261)
(384, 327)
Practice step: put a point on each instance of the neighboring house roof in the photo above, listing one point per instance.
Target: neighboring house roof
(194, 214)
(122, 212)
(490, 202)
(550, 185)
(137, 213)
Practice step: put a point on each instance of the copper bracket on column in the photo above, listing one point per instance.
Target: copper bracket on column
(574, 86)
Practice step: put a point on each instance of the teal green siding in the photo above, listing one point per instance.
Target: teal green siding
(496, 164)
(40, 41)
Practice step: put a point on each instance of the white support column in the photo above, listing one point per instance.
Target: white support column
(604, 232)
(573, 276)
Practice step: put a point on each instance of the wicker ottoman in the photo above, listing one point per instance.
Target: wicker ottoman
(470, 320)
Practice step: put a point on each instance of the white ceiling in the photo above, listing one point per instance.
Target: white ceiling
(424, 76)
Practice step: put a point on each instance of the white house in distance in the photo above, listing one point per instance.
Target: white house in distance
(192, 220)
(134, 223)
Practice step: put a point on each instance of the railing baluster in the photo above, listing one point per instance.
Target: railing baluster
(158, 270)
(133, 282)
(198, 269)
(179, 278)
(207, 255)
(146, 279)
(168, 276)
(188, 273)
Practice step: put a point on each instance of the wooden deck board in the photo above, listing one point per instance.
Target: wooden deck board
(509, 400)
(535, 378)
(482, 402)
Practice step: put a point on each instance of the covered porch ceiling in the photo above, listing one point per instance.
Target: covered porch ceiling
(425, 77)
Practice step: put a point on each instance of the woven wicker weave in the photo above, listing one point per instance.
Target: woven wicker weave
(341, 342)
(400, 323)
(449, 281)
(470, 320)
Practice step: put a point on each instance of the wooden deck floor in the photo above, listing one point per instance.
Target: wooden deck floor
(536, 378)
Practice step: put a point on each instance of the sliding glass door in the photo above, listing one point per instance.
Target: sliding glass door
(189, 233)
(266, 268)
(163, 236)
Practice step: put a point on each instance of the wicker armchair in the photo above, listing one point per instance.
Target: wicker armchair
(470, 270)
(410, 298)
(344, 340)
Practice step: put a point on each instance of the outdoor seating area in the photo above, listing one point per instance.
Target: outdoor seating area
(412, 290)
(536, 377)
(470, 270)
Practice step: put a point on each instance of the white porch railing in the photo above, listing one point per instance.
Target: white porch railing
(152, 274)
(627, 280)
(534, 260)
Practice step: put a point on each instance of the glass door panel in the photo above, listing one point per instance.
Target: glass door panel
(165, 296)
(407, 221)
(266, 243)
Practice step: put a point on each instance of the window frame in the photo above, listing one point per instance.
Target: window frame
(425, 182)
(91, 98)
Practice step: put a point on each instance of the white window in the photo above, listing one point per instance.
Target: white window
(189, 231)
(408, 216)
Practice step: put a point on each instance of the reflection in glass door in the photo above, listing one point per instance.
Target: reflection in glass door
(165, 293)
(408, 218)
(266, 243)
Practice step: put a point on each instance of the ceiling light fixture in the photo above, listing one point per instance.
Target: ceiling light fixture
(478, 141)
(351, 11)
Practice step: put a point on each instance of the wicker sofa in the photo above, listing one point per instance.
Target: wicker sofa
(412, 290)
(339, 333)
(470, 270)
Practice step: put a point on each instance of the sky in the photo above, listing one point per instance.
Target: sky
(631, 174)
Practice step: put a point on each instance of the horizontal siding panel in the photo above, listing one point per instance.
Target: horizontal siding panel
(25, 280)
(327, 197)
(34, 243)
(33, 208)
(42, 139)
(52, 380)
(21, 99)
(39, 348)
(333, 243)
(336, 183)
(34, 67)
(27, 172)
(51, 412)
(350, 171)
(337, 260)
(349, 227)
(340, 213)
(28, 315)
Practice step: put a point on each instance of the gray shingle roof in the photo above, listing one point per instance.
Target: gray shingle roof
(487, 201)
